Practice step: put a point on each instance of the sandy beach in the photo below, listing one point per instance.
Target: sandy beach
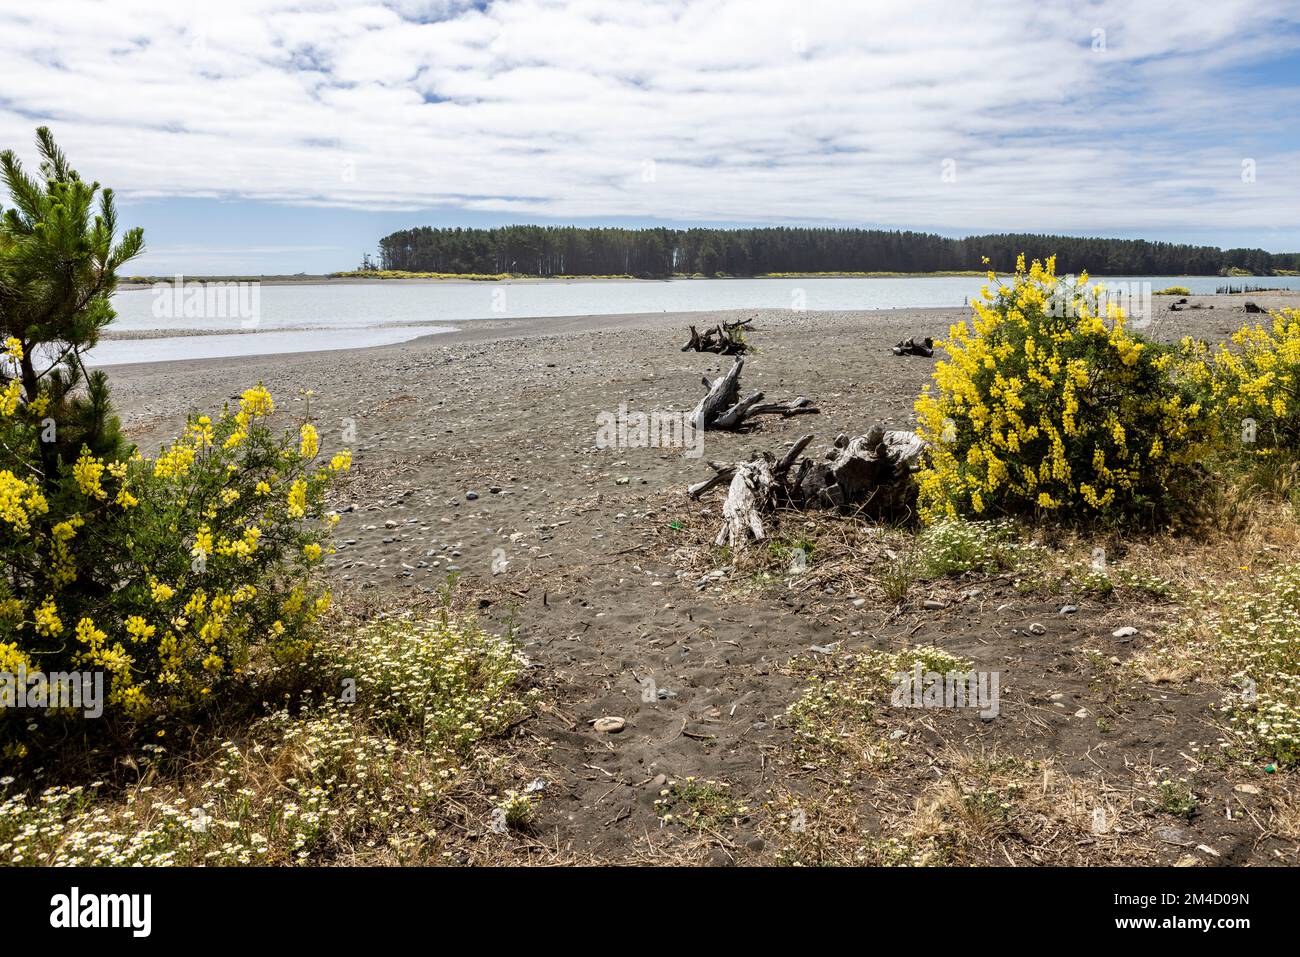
(478, 446)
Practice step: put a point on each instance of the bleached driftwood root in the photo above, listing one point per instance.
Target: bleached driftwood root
(871, 473)
(722, 408)
(726, 338)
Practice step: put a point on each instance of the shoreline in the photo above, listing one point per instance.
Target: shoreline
(490, 329)
(475, 331)
(148, 282)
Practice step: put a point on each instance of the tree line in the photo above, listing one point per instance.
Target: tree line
(660, 252)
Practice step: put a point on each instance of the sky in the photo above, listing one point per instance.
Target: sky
(283, 136)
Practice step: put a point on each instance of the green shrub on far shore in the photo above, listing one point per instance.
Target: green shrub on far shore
(1173, 291)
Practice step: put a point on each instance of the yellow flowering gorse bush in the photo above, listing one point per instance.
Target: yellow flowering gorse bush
(166, 573)
(1253, 382)
(1048, 403)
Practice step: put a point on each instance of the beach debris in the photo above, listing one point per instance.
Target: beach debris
(869, 473)
(609, 725)
(722, 409)
(914, 347)
(726, 338)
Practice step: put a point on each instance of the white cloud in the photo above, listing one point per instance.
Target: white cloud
(751, 110)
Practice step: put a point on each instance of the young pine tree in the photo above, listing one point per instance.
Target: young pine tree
(58, 268)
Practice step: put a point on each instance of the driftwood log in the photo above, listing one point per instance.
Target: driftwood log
(915, 347)
(722, 408)
(726, 338)
(870, 473)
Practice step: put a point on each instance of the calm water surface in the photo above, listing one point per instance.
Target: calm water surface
(307, 318)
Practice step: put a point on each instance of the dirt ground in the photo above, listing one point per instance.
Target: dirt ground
(476, 452)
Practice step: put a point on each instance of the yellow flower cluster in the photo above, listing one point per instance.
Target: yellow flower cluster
(1046, 401)
(255, 402)
(1253, 381)
(310, 443)
(113, 582)
(9, 398)
(19, 501)
(89, 472)
(297, 499)
(47, 618)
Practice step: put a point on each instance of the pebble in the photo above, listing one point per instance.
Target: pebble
(1037, 629)
(609, 725)
(859, 602)
(1173, 835)
(470, 496)
(1126, 632)
(933, 604)
(1068, 610)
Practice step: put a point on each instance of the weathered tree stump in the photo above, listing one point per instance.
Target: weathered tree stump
(722, 408)
(726, 338)
(915, 347)
(870, 473)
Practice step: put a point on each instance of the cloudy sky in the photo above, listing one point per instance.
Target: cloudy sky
(288, 135)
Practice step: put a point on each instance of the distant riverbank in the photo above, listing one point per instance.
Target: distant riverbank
(393, 276)
(389, 277)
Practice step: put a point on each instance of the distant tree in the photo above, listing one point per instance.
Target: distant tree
(58, 268)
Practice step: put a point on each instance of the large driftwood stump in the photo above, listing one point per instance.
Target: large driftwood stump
(870, 473)
(726, 338)
(722, 408)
